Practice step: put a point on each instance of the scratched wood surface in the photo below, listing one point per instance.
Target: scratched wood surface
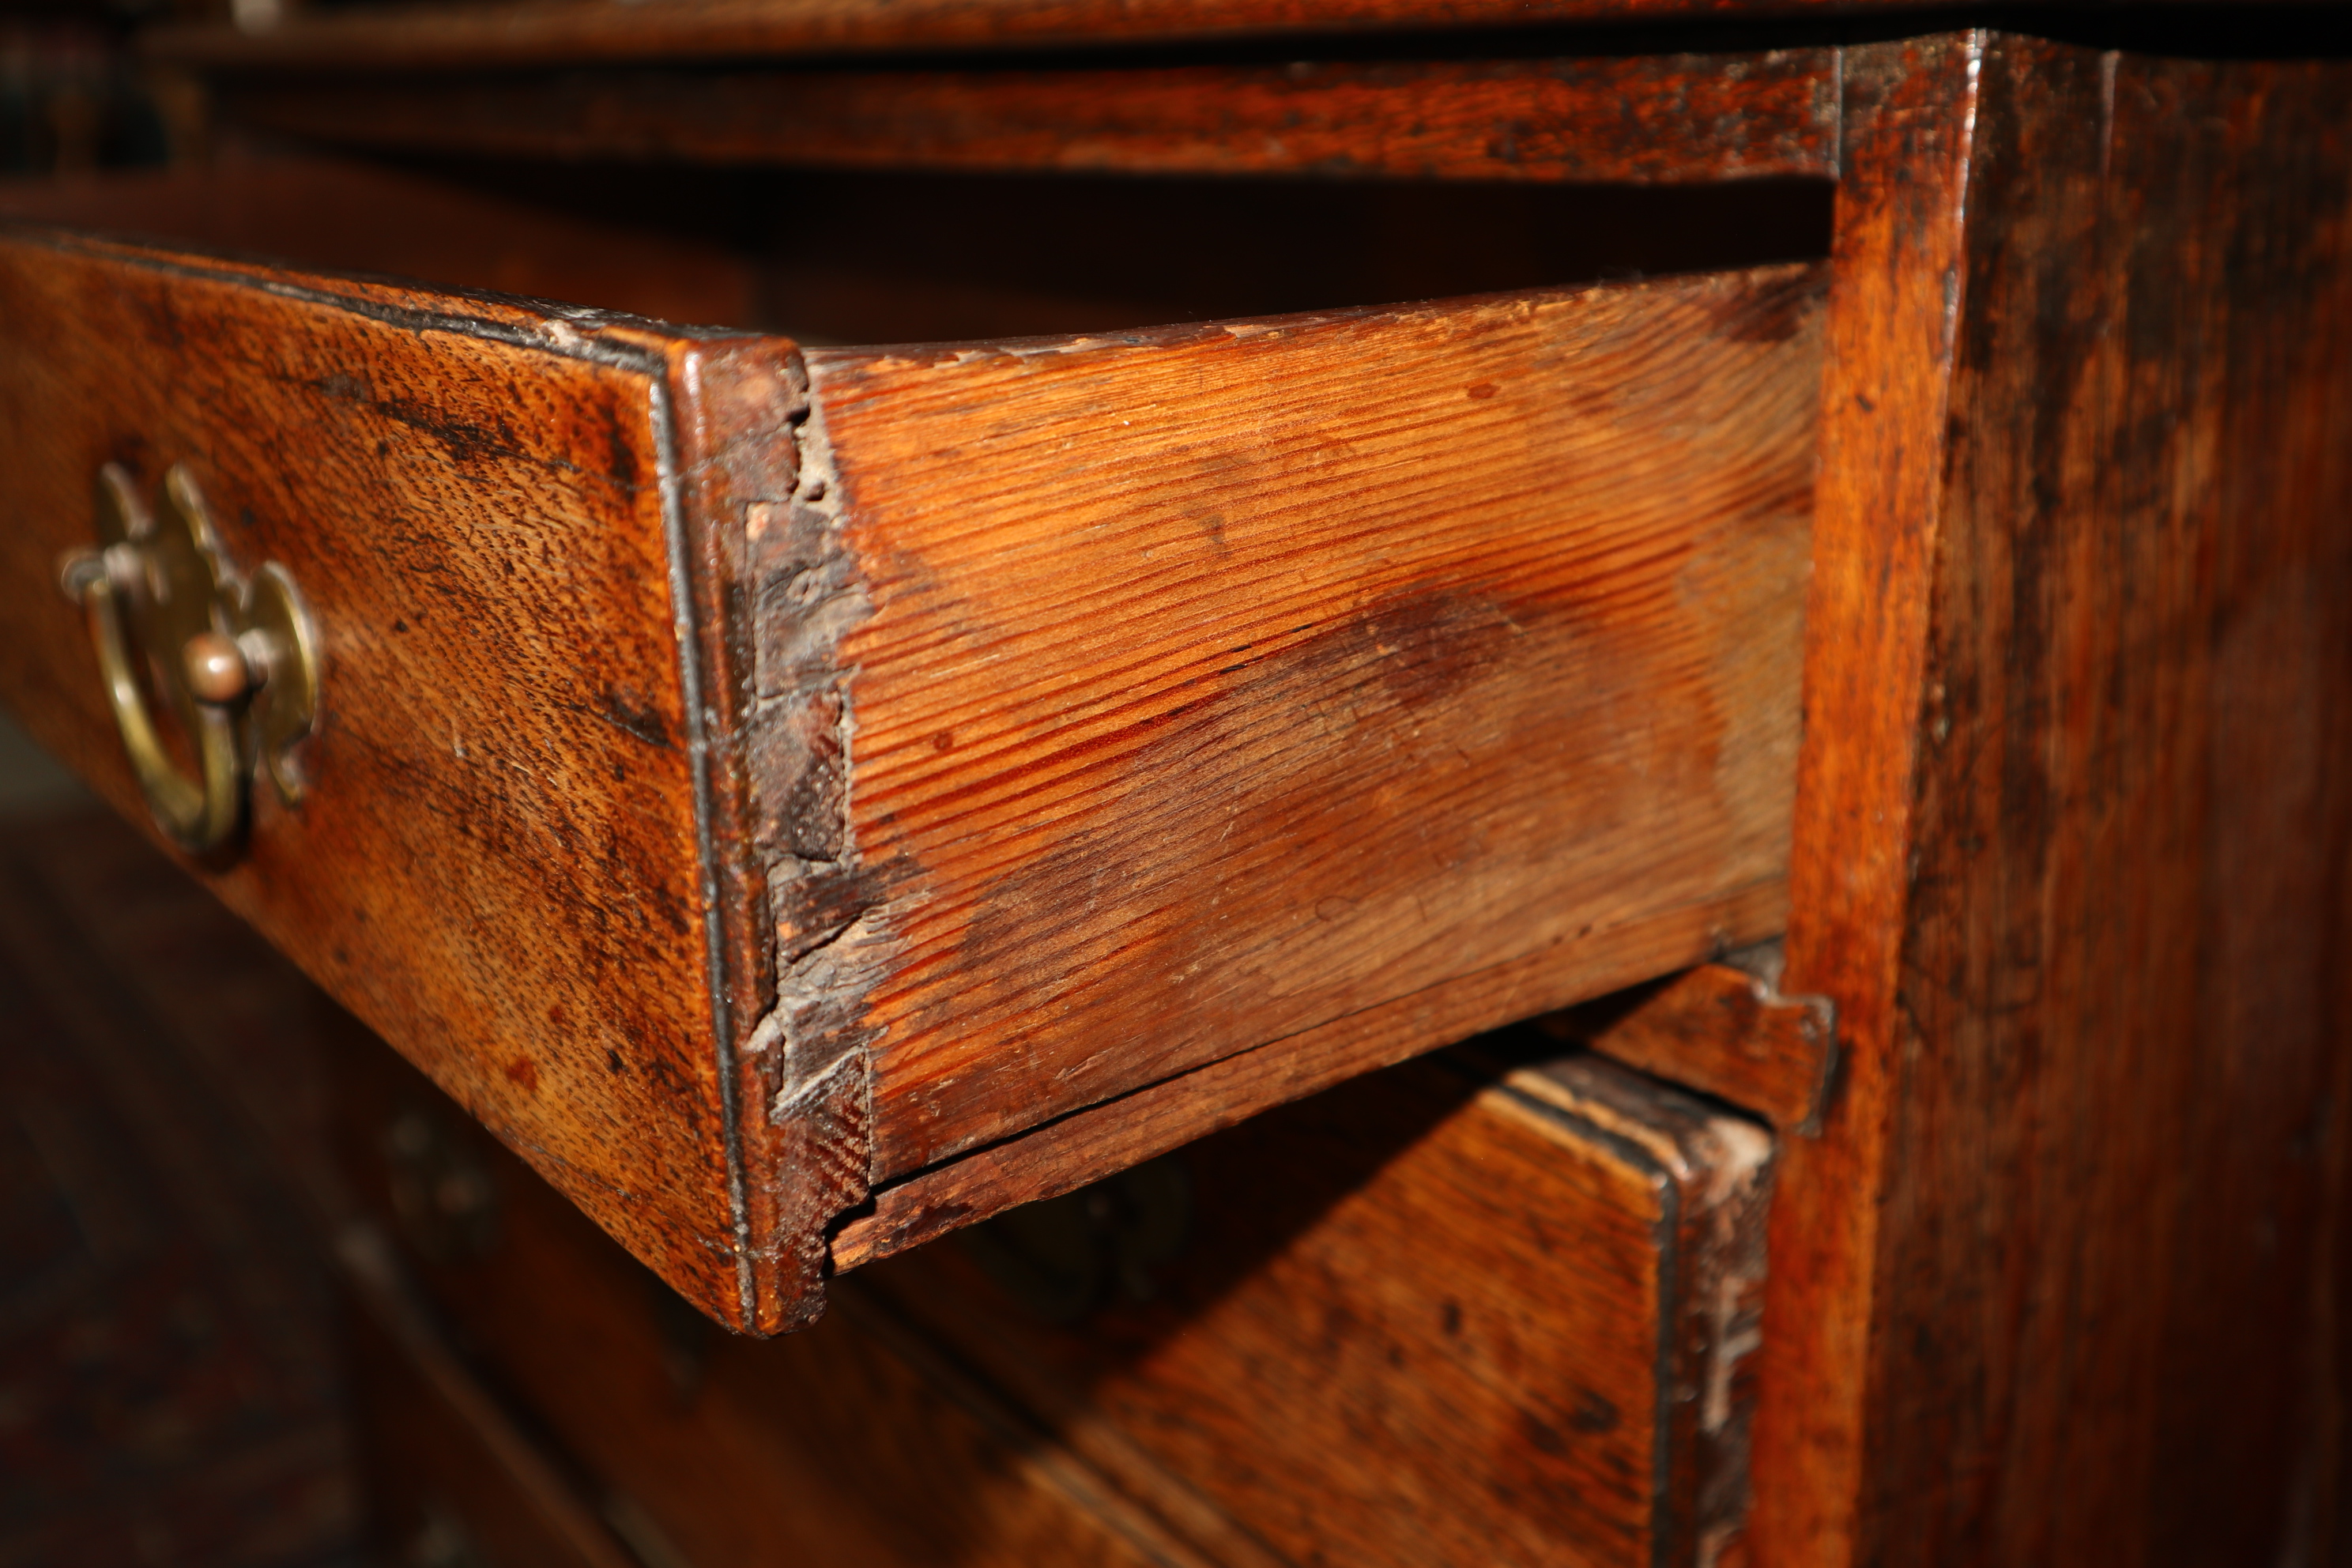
(1432, 1316)
(1678, 118)
(2058, 1281)
(498, 865)
(1039, 775)
(1203, 701)
(528, 32)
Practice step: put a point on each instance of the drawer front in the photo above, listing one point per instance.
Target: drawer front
(1427, 1317)
(499, 859)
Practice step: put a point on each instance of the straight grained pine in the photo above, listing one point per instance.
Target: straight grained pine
(1219, 684)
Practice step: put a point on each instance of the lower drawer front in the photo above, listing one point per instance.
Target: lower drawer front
(761, 783)
(846, 1444)
(450, 1479)
(1428, 1317)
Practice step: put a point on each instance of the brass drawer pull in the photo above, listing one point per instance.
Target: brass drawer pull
(235, 661)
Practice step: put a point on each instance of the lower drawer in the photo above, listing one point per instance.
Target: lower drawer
(1435, 1316)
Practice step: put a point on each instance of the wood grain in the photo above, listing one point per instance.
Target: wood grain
(1422, 1318)
(2072, 868)
(1202, 702)
(1885, 402)
(1104, 1139)
(498, 865)
(743, 783)
(1654, 118)
(1723, 1030)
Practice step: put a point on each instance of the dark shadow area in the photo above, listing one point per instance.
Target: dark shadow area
(170, 1389)
(899, 258)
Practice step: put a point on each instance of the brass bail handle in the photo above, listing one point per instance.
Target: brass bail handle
(235, 660)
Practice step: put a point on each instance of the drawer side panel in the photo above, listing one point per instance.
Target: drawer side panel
(1221, 683)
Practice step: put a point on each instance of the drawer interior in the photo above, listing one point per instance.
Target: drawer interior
(831, 258)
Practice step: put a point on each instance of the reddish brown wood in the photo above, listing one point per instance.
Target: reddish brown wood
(852, 1442)
(343, 215)
(1675, 118)
(1420, 1319)
(1723, 1030)
(1323, 701)
(535, 32)
(2073, 867)
(1885, 411)
(967, 785)
(1101, 1140)
(449, 1470)
(499, 861)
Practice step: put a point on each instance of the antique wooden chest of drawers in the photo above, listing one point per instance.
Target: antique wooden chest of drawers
(808, 798)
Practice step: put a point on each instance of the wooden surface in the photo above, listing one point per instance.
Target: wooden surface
(1722, 1030)
(2055, 1285)
(448, 1469)
(1420, 1319)
(1322, 702)
(845, 1443)
(993, 767)
(530, 32)
(498, 863)
(1674, 118)
(1101, 1140)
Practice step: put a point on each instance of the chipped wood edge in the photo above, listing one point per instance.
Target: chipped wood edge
(1088, 1145)
(1653, 1031)
(670, 361)
(1816, 1022)
(780, 589)
(1714, 1169)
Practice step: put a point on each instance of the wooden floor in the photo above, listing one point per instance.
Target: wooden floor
(169, 1383)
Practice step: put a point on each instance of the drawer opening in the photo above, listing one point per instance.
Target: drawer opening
(829, 257)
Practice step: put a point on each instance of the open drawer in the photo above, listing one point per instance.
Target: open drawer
(805, 799)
